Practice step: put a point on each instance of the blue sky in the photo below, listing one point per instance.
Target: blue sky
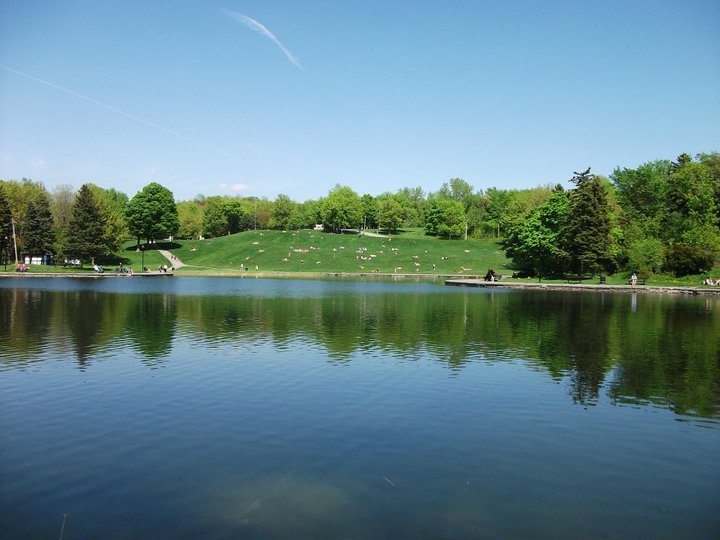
(259, 98)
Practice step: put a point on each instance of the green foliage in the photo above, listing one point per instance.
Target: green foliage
(224, 215)
(214, 219)
(537, 244)
(641, 194)
(237, 219)
(498, 218)
(341, 209)
(20, 194)
(455, 189)
(588, 228)
(684, 259)
(391, 215)
(446, 218)
(690, 201)
(370, 210)
(113, 205)
(86, 236)
(190, 215)
(152, 214)
(38, 231)
(6, 237)
(645, 256)
(415, 205)
(283, 213)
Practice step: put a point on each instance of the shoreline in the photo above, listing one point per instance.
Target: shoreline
(455, 280)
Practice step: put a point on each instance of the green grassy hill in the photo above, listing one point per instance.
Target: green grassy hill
(315, 251)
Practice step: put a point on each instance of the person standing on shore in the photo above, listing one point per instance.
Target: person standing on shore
(633, 279)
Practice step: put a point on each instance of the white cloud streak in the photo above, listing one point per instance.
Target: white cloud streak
(114, 109)
(258, 27)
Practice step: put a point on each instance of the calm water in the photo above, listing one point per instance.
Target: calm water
(246, 408)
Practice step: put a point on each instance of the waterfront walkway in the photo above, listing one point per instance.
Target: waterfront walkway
(479, 282)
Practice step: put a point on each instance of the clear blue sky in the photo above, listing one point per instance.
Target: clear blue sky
(259, 98)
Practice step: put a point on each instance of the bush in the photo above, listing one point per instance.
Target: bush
(684, 259)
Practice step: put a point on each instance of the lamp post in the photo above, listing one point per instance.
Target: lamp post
(5, 243)
(142, 258)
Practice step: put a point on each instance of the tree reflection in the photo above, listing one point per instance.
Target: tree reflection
(662, 350)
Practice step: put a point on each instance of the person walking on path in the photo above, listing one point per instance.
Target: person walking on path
(176, 263)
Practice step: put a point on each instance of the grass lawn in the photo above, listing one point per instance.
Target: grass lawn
(315, 251)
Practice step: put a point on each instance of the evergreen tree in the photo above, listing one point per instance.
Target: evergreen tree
(588, 232)
(38, 231)
(6, 238)
(86, 237)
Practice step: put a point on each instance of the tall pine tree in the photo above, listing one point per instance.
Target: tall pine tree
(588, 230)
(38, 230)
(86, 237)
(6, 238)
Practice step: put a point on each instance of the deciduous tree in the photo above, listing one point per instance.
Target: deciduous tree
(537, 244)
(152, 214)
(341, 209)
(190, 215)
(446, 218)
(391, 215)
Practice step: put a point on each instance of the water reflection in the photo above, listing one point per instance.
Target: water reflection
(642, 349)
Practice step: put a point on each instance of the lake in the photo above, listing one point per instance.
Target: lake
(259, 408)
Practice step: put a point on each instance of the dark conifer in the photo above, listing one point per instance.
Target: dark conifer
(38, 230)
(86, 238)
(588, 230)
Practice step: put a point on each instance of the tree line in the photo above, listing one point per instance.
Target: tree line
(662, 216)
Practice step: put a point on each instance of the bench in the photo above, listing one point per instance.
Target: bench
(641, 280)
(576, 279)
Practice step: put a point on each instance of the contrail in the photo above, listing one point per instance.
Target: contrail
(252, 24)
(113, 109)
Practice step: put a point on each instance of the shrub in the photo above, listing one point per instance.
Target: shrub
(684, 259)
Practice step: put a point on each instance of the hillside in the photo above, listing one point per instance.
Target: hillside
(315, 251)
